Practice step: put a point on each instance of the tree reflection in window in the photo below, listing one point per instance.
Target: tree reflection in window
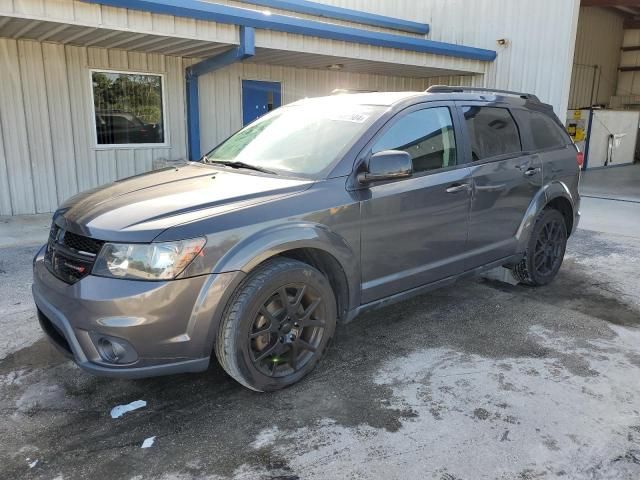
(128, 108)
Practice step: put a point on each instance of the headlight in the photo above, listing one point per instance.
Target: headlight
(155, 261)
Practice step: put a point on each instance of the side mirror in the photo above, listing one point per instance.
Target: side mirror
(387, 165)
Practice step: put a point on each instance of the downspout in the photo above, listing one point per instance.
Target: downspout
(246, 49)
(193, 116)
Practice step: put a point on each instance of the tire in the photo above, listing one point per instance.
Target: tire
(545, 250)
(267, 343)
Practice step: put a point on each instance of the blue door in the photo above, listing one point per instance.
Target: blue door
(259, 98)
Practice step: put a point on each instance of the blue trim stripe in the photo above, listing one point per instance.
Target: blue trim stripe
(339, 13)
(250, 18)
(246, 49)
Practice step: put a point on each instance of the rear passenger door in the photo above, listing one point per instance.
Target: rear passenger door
(504, 179)
(543, 134)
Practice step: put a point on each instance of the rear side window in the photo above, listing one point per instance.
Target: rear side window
(427, 135)
(492, 132)
(545, 132)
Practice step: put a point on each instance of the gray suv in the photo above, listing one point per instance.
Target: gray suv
(308, 216)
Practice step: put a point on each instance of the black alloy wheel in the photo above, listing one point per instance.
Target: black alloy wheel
(549, 247)
(287, 330)
(545, 250)
(277, 325)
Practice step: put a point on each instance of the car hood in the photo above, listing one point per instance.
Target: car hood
(139, 208)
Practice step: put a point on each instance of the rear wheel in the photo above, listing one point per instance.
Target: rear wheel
(545, 250)
(277, 326)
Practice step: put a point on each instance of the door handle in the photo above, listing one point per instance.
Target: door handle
(529, 172)
(458, 187)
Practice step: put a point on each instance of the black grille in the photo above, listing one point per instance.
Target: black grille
(82, 244)
(70, 256)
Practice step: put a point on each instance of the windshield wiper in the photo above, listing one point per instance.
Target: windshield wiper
(231, 164)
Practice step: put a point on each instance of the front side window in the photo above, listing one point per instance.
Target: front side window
(303, 139)
(492, 132)
(427, 135)
(128, 108)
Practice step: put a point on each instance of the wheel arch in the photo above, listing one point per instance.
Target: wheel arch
(564, 206)
(330, 268)
(310, 243)
(555, 195)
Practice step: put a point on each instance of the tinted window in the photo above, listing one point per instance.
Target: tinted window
(427, 135)
(128, 108)
(492, 132)
(545, 132)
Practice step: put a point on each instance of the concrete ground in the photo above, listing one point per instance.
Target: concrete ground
(481, 380)
(611, 197)
(619, 183)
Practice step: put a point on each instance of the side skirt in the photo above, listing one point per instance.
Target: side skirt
(407, 294)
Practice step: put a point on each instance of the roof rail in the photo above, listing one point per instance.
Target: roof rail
(461, 89)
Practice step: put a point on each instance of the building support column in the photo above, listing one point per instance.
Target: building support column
(246, 49)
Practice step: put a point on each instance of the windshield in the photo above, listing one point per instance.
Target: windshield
(299, 139)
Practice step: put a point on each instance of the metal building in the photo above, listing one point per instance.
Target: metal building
(96, 90)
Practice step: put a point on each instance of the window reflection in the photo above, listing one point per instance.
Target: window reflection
(128, 108)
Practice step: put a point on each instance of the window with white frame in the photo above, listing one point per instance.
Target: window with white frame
(128, 107)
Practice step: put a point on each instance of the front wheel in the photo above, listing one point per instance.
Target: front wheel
(545, 250)
(277, 326)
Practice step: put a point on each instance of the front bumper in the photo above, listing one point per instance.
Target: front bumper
(170, 326)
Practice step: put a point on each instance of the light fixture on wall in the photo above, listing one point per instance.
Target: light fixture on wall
(503, 42)
(335, 66)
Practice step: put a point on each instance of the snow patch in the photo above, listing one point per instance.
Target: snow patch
(265, 438)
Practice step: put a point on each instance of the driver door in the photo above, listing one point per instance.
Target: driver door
(414, 230)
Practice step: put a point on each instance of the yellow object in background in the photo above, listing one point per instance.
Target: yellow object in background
(576, 126)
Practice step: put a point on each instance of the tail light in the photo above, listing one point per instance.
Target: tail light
(580, 159)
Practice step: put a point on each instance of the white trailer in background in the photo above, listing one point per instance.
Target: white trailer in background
(607, 137)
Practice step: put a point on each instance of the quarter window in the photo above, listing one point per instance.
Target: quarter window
(427, 135)
(545, 132)
(492, 132)
(128, 108)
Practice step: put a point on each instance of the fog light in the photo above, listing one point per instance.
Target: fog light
(110, 350)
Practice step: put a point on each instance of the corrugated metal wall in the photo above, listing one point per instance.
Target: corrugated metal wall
(220, 91)
(540, 39)
(404, 9)
(597, 43)
(537, 56)
(47, 150)
(629, 82)
(47, 145)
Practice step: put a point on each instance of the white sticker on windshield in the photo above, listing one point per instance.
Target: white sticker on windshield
(355, 117)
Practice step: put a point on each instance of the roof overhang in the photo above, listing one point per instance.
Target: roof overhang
(213, 12)
(107, 37)
(346, 14)
(301, 59)
(317, 45)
